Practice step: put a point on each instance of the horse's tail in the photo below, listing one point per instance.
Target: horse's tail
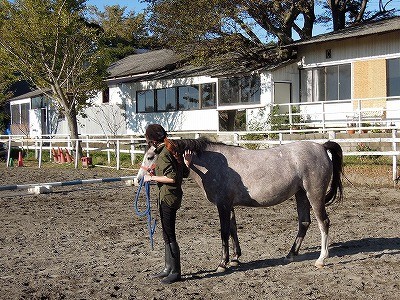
(336, 189)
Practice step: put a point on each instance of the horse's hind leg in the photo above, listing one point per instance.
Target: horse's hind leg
(303, 211)
(224, 219)
(237, 252)
(323, 224)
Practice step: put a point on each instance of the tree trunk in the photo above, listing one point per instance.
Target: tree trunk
(338, 15)
(73, 130)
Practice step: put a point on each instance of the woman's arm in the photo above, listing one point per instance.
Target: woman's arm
(161, 179)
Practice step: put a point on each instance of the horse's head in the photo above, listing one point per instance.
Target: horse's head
(148, 164)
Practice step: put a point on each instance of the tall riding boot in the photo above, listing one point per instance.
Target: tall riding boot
(167, 268)
(175, 273)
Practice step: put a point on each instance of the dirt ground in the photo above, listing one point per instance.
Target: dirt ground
(85, 242)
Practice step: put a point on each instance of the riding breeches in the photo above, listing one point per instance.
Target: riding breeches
(168, 221)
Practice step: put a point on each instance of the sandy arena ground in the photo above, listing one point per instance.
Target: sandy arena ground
(85, 242)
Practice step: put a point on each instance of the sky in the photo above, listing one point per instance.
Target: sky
(134, 5)
(137, 6)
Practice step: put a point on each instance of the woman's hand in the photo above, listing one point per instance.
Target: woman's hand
(147, 178)
(187, 157)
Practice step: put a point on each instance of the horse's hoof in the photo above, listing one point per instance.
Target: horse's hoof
(221, 269)
(288, 259)
(234, 263)
(319, 264)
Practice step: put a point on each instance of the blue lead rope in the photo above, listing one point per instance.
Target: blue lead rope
(151, 226)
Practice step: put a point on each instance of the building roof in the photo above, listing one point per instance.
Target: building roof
(28, 95)
(166, 64)
(382, 26)
(148, 62)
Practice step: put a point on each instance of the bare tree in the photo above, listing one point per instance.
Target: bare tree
(51, 45)
(343, 13)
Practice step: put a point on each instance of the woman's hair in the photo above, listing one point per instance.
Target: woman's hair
(156, 134)
(172, 148)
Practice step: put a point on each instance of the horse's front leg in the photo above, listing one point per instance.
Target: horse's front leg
(224, 216)
(237, 252)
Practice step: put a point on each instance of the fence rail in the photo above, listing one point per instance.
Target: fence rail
(133, 145)
(334, 114)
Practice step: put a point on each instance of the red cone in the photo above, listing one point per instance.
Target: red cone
(68, 156)
(20, 161)
(55, 155)
(62, 158)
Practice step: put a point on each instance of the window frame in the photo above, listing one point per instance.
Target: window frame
(319, 79)
(199, 95)
(145, 92)
(235, 88)
(393, 82)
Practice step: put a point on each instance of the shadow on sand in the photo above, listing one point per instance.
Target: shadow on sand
(367, 245)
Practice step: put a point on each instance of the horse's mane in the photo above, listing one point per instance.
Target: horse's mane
(196, 145)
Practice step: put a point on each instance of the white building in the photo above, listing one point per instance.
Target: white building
(348, 76)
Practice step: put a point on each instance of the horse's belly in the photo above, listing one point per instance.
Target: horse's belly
(264, 196)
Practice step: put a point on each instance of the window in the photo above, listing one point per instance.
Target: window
(166, 99)
(282, 92)
(229, 91)
(208, 95)
(325, 83)
(250, 89)
(393, 77)
(240, 90)
(188, 97)
(15, 114)
(20, 113)
(145, 101)
(39, 102)
(25, 113)
(183, 98)
(106, 95)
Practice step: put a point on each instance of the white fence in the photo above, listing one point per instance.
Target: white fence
(112, 146)
(134, 145)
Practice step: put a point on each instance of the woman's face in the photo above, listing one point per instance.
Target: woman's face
(150, 142)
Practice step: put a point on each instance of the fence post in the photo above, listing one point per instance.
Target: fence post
(118, 162)
(394, 148)
(76, 153)
(359, 114)
(40, 152)
(36, 147)
(69, 143)
(50, 152)
(323, 116)
(9, 151)
(87, 146)
(133, 155)
(108, 152)
(236, 139)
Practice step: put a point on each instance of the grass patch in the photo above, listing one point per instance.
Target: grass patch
(367, 160)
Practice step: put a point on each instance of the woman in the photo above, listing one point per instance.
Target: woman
(170, 170)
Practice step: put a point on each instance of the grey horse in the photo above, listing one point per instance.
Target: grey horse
(234, 176)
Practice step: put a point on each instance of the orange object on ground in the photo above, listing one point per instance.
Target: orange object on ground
(55, 155)
(68, 156)
(86, 162)
(20, 160)
(62, 158)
